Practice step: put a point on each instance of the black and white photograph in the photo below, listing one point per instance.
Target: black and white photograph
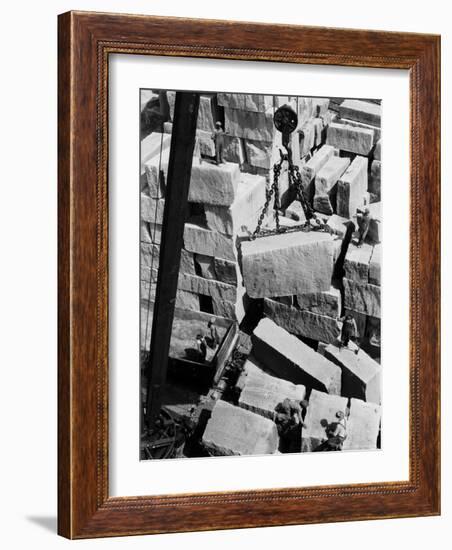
(275, 342)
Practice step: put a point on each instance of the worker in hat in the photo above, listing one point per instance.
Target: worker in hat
(337, 432)
(213, 338)
(218, 138)
(349, 331)
(201, 347)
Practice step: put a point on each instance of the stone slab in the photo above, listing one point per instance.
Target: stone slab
(207, 112)
(149, 255)
(257, 126)
(207, 287)
(295, 211)
(233, 430)
(363, 298)
(309, 170)
(338, 225)
(227, 272)
(234, 150)
(323, 303)
(230, 310)
(156, 170)
(152, 209)
(352, 187)
(291, 263)
(375, 227)
(363, 426)
(200, 240)
(325, 183)
(291, 359)
(152, 147)
(375, 266)
(261, 392)
(377, 150)
(361, 111)
(246, 102)
(361, 375)
(375, 178)
(376, 129)
(258, 153)
(204, 266)
(357, 261)
(302, 322)
(213, 184)
(320, 413)
(350, 138)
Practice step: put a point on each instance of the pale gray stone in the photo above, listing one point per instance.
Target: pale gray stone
(226, 271)
(199, 240)
(246, 102)
(321, 412)
(295, 211)
(375, 178)
(149, 254)
(302, 322)
(206, 143)
(350, 138)
(361, 375)
(325, 182)
(292, 263)
(320, 105)
(291, 359)
(235, 431)
(375, 266)
(351, 188)
(377, 150)
(152, 209)
(324, 303)
(212, 184)
(309, 170)
(230, 310)
(356, 263)
(205, 265)
(307, 137)
(318, 131)
(258, 153)
(361, 111)
(207, 113)
(249, 125)
(261, 392)
(361, 297)
(146, 96)
(375, 227)
(187, 300)
(338, 225)
(363, 426)
(153, 147)
(187, 263)
(207, 287)
(234, 149)
(376, 129)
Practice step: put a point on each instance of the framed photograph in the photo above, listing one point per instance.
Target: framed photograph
(249, 259)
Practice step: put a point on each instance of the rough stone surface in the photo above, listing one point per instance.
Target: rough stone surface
(292, 263)
(227, 272)
(187, 300)
(361, 375)
(246, 102)
(152, 209)
(375, 227)
(205, 266)
(321, 412)
(258, 153)
(350, 138)
(149, 254)
(323, 303)
(210, 243)
(295, 211)
(235, 431)
(317, 161)
(242, 215)
(156, 170)
(151, 147)
(307, 137)
(361, 111)
(261, 392)
(207, 287)
(207, 113)
(356, 264)
(206, 143)
(146, 96)
(351, 188)
(302, 322)
(234, 150)
(363, 298)
(230, 310)
(249, 125)
(375, 178)
(375, 266)
(377, 150)
(363, 425)
(289, 358)
(320, 105)
(338, 225)
(325, 183)
(212, 184)
(375, 129)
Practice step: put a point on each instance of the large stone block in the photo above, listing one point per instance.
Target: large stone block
(350, 138)
(153, 147)
(323, 303)
(302, 322)
(227, 272)
(258, 153)
(318, 131)
(375, 226)
(242, 215)
(207, 287)
(230, 310)
(325, 183)
(356, 263)
(199, 240)
(375, 178)
(309, 170)
(156, 170)
(235, 431)
(376, 129)
(149, 255)
(375, 266)
(146, 96)
(291, 263)
(207, 116)
(204, 266)
(212, 184)
(152, 209)
(338, 225)
(307, 137)
(261, 392)
(361, 111)
(361, 375)
(291, 359)
(377, 150)
(187, 300)
(234, 150)
(362, 297)
(206, 143)
(352, 187)
(295, 211)
(320, 414)
(363, 426)
(320, 105)
(249, 125)
(246, 102)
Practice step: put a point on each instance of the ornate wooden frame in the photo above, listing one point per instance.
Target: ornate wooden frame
(85, 42)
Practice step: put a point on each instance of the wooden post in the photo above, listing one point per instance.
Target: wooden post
(177, 186)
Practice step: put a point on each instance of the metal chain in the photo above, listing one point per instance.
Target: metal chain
(274, 190)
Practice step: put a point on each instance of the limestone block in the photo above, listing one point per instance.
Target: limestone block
(212, 184)
(292, 263)
(317, 161)
(305, 109)
(361, 321)
(323, 303)
(149, 255)
(291, 359)
(320, 413)
(351, 188)
(206, 143)
(356, 263)
(207, 287)
(318, 131)
(377, 150)
(187, 300)
(151, 147)
(325, 183)
(199, 240)
(156, 170)
(146, 96)
(230, 310)
(375, 227)
(302, 322)
(320, 105)
(246, 102)
(363, 426)
(363, 298)
(258, 153)
(226, 271)
(243, 213)
(233, 430)
(361, 111)
(350, 138)
(361, 375)
(295, 211)
(145, 236)
(375, 178)
(261, 392)
(338, 225)
(205, 266)
(234, 149)
(152, 209)
(376, 129)
(307, 137)
(207, 113)
(375, 266)
(249, 125)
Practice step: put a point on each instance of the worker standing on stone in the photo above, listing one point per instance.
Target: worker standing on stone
(213, 338)
(338, 433)
(289, 419)
(218, 138)
(349, 331)
(201, 347)
(364, 220)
